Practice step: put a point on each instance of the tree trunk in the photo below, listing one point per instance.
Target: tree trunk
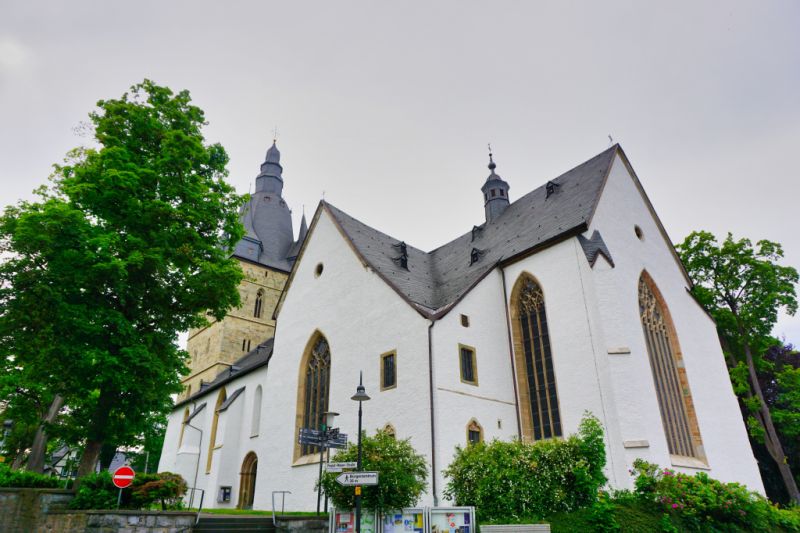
(91, 453)
(772, 442)
(39, 446)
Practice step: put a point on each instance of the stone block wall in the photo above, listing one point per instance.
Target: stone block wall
(22, 509)
(45, 511)
(240, 331)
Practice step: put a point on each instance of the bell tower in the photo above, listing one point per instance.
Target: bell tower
(495, 192)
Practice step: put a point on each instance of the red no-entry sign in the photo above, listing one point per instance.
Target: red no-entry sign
(123, 477)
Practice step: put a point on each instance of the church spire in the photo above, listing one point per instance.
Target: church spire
(270, 179)
(495, 192)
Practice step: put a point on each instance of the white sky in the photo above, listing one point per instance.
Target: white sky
(387, 106)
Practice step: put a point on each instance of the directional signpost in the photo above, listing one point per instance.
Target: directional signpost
(340, 467)
(351, 479)
(316, 437)
(123, 477)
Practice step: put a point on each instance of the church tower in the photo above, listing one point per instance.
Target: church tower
(266, 254)
(495, 193)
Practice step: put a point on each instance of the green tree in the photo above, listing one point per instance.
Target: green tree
(127, 248)
(744, 287)
(402, 474)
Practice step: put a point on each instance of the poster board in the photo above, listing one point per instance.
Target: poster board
(452, 520)
(345, 521)
(409, 520)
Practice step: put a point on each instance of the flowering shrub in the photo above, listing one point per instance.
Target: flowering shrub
(510, 481)
(704, 503)
(97, 491)
(403, 473)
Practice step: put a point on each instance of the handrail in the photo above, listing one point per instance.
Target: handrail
(283, 502)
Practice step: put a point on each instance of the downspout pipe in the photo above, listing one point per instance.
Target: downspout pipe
(433, 424)
(511, 352)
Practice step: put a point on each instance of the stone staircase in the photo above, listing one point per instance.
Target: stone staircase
(215, 523)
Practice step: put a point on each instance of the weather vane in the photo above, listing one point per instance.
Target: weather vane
(275, 134)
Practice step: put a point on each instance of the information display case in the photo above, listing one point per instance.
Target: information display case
(345, 521)
(452, 520)
(413, 519)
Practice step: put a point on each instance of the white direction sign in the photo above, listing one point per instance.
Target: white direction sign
(339, 467)
(349, 479)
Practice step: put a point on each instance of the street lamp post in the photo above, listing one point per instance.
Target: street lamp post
(359, 396)
(325, 431)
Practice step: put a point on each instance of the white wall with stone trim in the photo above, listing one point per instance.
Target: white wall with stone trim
(725, 441)
(591, 312)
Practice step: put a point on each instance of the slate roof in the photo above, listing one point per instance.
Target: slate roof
(252, 360)
(436, 280)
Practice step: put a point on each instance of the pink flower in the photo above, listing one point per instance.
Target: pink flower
(674, 505)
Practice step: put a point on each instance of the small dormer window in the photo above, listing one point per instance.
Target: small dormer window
(551, 188)
(402, 260)
(475, 255)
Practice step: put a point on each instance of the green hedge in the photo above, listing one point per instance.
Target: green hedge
(516, 481)
(25, 479)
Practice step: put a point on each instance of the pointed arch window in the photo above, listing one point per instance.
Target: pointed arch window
(212, 439)
(313, 390)
(533, 361)
(669, 375)
(474, 432)
(259, 303)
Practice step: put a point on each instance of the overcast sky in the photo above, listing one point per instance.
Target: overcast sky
(386, 107)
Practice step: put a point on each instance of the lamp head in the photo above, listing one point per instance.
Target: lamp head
(361, 393)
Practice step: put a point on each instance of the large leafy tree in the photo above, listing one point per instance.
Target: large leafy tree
(744, 287)
(127, 248)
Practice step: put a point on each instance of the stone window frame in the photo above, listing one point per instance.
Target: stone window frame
(384, 356)
(662, 372)
(212, 439)
(520, 363)
(473, 426)
(255, 420)
(183, 426)
(299, 458)
(474, 352)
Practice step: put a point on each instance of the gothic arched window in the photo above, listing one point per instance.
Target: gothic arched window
(669, 375)
(259, 303)
(313, 389)
(533, 363)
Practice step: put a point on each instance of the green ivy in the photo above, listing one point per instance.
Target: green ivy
(516, 480)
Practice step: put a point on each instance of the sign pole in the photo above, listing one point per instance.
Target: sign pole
(119, 498)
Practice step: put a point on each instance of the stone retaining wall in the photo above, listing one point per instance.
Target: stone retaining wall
(45, 511)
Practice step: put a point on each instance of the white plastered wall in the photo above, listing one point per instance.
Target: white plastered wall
(362, 318)
(492, 399)
(730, 458)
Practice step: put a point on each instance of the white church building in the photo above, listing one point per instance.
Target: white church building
(569, 299)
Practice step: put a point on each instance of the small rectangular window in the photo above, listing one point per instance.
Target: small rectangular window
(244, 344)
(469, 369)
(494, 193)
(465, 321)
(388, 370)
(474, 436)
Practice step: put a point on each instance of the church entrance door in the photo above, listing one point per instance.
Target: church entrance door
(247, 483)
